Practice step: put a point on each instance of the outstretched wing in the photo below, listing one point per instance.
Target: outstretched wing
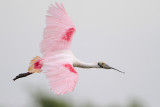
(62, 78)
(59, 30)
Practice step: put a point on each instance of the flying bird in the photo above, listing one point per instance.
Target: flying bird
(58, 61)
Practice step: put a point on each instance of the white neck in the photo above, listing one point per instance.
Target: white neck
(86, 65)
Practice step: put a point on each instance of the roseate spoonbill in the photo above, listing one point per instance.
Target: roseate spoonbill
(58, 60)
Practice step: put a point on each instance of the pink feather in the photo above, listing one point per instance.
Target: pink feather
(62, 79)
(59, 30)
(56, 60)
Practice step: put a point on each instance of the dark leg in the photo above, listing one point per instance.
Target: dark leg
(22, 75)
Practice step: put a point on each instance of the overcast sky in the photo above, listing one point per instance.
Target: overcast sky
(123, 33)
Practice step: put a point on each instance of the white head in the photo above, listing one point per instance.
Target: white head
(105, 66)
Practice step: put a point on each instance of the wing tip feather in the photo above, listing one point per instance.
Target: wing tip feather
(62, 82)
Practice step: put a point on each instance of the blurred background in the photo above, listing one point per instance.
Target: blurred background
(123, 33)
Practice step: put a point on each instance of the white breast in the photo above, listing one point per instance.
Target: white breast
(63, 56)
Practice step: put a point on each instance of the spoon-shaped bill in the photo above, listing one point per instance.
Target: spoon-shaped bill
(117, 70)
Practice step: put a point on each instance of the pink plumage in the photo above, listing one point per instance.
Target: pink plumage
(57, 38)
(59, 30)
(58, 61)
(62, 79)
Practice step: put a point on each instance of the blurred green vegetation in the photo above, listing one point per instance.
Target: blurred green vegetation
(135, 103)
(41, 99)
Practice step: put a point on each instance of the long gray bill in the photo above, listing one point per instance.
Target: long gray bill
(117, 70)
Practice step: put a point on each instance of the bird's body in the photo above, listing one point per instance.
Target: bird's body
(58, 61)
(60, 56)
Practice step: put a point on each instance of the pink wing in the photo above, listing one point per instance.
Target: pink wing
(59, 30)
(62, 78)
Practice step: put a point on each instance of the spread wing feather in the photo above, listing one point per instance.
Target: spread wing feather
(58, 36)
(62, 78)
(59, 30)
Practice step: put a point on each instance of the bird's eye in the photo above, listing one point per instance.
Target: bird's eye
(100, 64)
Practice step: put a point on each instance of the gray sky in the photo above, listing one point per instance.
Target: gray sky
(123, 33)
